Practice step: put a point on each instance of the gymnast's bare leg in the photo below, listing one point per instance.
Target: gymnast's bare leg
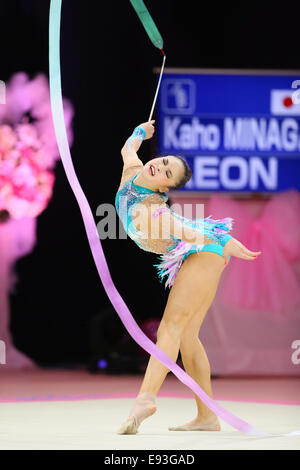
(188, 301)
(196, 364)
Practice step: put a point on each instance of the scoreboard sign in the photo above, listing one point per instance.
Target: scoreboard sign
(238, 131)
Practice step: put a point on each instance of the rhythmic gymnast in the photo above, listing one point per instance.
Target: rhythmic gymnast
(193, 256)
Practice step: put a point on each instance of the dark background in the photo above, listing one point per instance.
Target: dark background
(107, 66)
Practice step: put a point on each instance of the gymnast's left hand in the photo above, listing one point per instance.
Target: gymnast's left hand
(235, 248)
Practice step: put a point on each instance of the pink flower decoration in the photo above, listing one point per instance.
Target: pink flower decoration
(41, 159)
(27, 134)
(23, 175)
(28, 150)
(8, 138)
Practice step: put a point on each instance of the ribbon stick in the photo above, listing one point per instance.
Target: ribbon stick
(93, 238)
(157, 88)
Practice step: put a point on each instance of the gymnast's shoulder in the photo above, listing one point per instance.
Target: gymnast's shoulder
(128, 173)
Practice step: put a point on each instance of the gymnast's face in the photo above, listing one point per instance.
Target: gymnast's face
(163, 172)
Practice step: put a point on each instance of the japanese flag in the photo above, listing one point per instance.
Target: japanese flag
(282, 103)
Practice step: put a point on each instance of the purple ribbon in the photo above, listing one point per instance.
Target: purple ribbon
(96, 248)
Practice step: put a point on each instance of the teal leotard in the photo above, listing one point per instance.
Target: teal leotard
(172, 258)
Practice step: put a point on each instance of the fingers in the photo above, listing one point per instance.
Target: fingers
(249, 252)
(250, 256)
(253, 253)
(244, 253)
(245, 256)
(245, 250)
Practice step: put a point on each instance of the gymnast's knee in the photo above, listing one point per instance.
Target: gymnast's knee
(173, 326)
(189, 341)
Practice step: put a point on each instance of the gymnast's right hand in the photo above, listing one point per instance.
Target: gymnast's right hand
(148, 128)
(235, 248)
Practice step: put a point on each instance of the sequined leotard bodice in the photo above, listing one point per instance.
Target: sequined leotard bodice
(127, 199)
(132, 198)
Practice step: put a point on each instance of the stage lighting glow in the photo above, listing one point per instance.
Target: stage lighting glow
(102, 364)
